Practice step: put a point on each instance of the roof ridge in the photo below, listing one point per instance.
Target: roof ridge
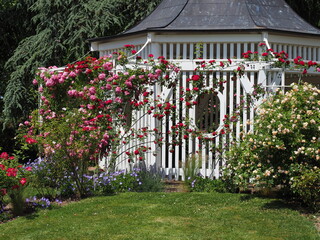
(178, 14)
(246, 2)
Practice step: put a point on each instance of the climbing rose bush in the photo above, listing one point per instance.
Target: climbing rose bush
(285, 142)
(85, 112)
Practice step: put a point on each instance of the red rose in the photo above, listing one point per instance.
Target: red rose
(4, 155)
(23, 181)
(31, 140)
(29, 168)
(195, 77)
(12, 172)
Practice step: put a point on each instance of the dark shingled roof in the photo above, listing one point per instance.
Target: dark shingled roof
(223, 15)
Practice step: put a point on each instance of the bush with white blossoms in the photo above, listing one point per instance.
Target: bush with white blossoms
(285, 141)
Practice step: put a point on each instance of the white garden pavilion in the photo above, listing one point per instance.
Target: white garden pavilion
(186, 30)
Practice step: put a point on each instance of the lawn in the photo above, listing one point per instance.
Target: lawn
(165, 216)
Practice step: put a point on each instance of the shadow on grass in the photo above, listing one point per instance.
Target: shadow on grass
(31, 216)
(278, 202)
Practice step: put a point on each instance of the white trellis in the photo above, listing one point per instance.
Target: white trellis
(170, 161)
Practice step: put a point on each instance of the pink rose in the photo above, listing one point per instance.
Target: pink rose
(102, 76)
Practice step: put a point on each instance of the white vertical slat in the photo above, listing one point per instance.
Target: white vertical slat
(218, 51)
(204, 56)
(170, 155)
(290, 51)
(225, 51)
(245, 112)
(285, 48)
(158, 124)
(184, 113)
(185, 51)
(211, 51)
(210, 153)
(176, 148)
(232, 55)
(171, 50)
(178, 51)
(231, 101)
(217, 158)
(314, 53)
(217, 139)
(216, 170)
(252, 79)
(309, 53)
(252, 47)
(152, 136)
(275, 47)
(280, 48)
(164, 50)
(238, 103)
(191, 112)
(239, 56)
(135, 142)
(144, 52)
(300, 51)
(305, 53)
(144, 125)
(245, 47)
(224, 111)
(191, 50)
(139, 126)
(295, 51)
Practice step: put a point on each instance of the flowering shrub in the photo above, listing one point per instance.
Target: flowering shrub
(13, 180)
(136, 180)
(34, 202)
(51, 182)
(119, 181)
(285, 142)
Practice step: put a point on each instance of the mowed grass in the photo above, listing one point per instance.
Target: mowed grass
(165, 216)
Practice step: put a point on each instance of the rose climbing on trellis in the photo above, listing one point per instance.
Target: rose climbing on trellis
(85, 113)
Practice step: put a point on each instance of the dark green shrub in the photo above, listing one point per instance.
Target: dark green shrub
(201, 184)
(307, 187)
